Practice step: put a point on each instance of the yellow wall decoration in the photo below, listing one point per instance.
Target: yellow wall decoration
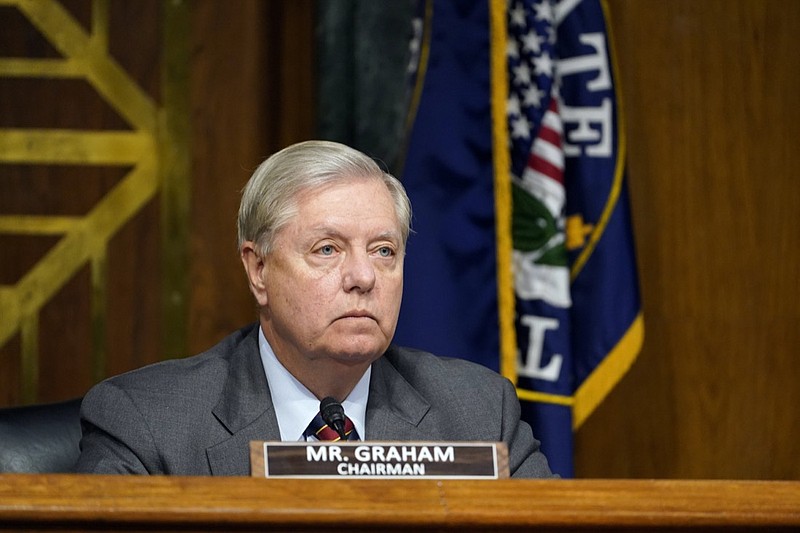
(84, 239)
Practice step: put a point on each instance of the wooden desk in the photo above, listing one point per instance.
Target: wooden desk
(83, 503)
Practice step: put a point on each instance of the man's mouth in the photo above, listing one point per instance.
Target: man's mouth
(358, 314)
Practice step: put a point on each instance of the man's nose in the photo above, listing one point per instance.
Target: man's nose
(359, 272)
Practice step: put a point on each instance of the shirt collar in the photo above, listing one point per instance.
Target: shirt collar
(295, 405)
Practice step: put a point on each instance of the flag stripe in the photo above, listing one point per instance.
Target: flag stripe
(547, 159)
(552, 120)
(552, 138)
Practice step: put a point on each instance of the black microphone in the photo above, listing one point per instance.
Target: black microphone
(333, 414)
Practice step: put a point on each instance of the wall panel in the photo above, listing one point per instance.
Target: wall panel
(79, 138)
(164, 280)
(710, 90)
(251, 95)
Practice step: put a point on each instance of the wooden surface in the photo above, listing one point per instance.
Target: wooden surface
(168, 503)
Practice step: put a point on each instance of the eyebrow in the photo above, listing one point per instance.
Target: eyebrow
(390, 235)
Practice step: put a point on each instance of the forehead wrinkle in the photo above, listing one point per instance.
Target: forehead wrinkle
(329, 231)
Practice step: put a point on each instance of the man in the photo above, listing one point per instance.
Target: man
(322, 235)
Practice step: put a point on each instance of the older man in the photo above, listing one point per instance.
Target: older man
(322, 235)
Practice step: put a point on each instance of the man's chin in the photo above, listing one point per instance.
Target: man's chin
(358, 353)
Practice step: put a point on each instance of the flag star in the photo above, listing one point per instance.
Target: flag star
(530, 42)
(517, 15)
(533, 97)
(512, 106)
(512, 50)
(520, 128)
(522, 74)
(543, 64)
(543, 11)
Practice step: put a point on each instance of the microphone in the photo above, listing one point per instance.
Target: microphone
(333, 414)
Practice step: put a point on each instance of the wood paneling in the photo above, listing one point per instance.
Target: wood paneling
(713, 117)
(102, 65)
(251, 95)
(164, 503)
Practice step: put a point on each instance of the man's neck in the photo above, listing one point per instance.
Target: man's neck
(323, 376)
(326, 378)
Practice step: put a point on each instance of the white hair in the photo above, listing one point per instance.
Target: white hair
(269, 199)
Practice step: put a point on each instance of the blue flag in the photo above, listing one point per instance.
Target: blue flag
(517, 138)
(450, 293)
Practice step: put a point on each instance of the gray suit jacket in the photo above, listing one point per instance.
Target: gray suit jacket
(197, 416)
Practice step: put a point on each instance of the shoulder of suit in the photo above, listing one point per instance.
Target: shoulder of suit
(425, 364)
(175, 375)
(448, 382)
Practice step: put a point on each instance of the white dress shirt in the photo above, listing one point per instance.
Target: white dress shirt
(295, 405)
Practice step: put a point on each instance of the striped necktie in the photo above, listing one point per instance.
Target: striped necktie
(319, 429)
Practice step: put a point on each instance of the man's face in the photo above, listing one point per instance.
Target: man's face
(333, 281)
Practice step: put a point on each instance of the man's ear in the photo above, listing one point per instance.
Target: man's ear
(255, 269)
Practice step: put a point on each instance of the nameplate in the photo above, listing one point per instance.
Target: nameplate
(379, 460)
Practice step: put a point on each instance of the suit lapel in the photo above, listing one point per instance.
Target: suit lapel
(395, 409)
(244, 409)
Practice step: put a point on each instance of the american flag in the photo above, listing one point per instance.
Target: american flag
(540, 259)
(537, 157)
(533, 120)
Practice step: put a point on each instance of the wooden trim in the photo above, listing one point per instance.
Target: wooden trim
(168, 503)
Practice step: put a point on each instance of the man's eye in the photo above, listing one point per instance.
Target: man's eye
(327, 250)
(385, 251)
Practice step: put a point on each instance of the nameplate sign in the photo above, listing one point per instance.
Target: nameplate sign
(379, 460)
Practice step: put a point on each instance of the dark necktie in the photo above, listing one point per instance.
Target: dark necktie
(319, 429)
